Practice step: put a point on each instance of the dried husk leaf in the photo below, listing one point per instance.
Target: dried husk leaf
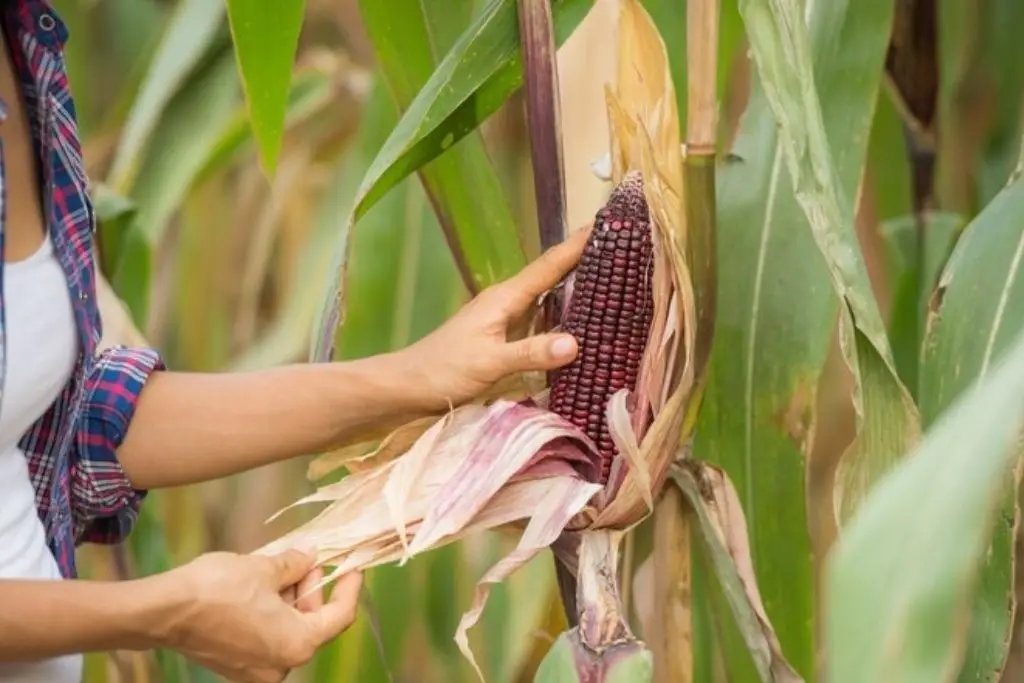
(601, 649)
(370, 454)
(548, 521)
(723, 527)
(372, 448)
(643, 596)
(118, 327)
(504, 444)
(477, 467)
(624, 437)
(602, 625)
(644, 131)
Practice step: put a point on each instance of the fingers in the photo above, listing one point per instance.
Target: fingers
(544, 272)
(310, 600)
(340, 611)
(541, 352)
(289, 567)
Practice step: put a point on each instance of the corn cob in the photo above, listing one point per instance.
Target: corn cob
(610, 315)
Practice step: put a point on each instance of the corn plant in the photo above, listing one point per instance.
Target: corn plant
(802, 461)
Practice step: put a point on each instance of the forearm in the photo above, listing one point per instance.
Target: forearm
(43, 619)
(196, 427)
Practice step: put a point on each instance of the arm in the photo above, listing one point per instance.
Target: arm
(44, 619)
(191, 427)
(194, 427)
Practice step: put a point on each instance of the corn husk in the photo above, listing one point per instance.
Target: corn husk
(510, 460)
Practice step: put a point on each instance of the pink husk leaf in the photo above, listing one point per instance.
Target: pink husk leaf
(552, 513)
(511, 434)
(516, 501)
(621, 429)
(402, 482)
(368, 454)
(373, 512)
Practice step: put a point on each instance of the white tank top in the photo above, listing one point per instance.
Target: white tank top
(41, 346)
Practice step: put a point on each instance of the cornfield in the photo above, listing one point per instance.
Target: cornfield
(826, 487)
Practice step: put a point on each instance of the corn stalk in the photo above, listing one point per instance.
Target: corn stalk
(543, 115)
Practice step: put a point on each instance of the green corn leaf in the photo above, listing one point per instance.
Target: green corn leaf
(776, 310)
(189, 38)
(462, 183)
(888, 169)
(912, 282)
(1001, 61)
(723, 550)
(288, 336)
(312, 91)
(981, 69)
(638, 668)
(266, 36)
(472, 81)
(980, 313)
(901, 577)
(191, 123)
(126, 255)
(558, 666)
(887, 420)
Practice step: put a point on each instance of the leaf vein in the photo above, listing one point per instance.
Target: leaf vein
(1004, 297)
(755, 308)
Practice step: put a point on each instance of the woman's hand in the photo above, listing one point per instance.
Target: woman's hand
(232, 613)
(471, 351)
(236, 614)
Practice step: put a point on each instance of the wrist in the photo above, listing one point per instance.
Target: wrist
(376, 393)
(158, 610)
(395, 384)
(412, 379)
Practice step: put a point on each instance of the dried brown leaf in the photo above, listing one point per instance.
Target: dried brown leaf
(362, 456)
(552, 511)
(643, 596)
(118, 326)
(723, 526)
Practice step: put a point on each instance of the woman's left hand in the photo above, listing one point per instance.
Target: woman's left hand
(471, 351)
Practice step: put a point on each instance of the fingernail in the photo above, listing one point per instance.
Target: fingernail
(563, 347)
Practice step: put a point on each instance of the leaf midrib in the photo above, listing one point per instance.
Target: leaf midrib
(755, 308)
(1004, 296)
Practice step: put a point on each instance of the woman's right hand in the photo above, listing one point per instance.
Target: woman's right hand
(237, 616)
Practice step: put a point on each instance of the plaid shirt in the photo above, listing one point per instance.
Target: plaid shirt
(82, 494)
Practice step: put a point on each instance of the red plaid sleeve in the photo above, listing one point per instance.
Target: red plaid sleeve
(102, 495)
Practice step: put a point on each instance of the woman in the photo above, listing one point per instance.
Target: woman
(83, 434)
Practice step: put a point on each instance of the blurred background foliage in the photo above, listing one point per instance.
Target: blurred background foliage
(221, 270)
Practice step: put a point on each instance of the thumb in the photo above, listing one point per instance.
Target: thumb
(340, 611)
(289, 567)
(541, 352)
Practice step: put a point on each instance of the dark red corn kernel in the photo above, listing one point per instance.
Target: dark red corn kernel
(610, 315)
